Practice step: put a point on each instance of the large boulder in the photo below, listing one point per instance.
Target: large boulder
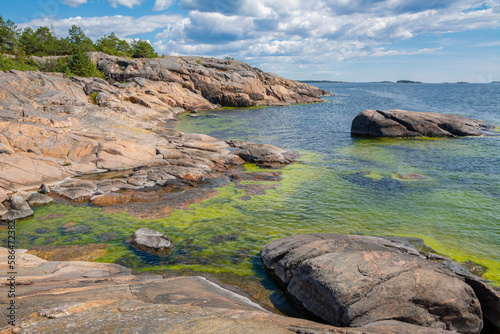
(402, 123)
(357, 281)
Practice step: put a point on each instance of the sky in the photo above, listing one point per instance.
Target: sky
(339, 40)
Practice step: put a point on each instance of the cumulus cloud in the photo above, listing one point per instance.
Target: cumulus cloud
(74, 3)
(162, 4)
(96, 27)
(342, 29)
(126, 3)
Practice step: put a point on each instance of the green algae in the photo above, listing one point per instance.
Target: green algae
(354, 191)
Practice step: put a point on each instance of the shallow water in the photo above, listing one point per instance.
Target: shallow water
(342, 184)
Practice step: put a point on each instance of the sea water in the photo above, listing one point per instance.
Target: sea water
(341, 184)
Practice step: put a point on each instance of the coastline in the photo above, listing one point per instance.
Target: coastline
(210, 149)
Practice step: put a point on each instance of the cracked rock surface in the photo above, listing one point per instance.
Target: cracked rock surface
(350, 280)
(88, 297)
(402, 123)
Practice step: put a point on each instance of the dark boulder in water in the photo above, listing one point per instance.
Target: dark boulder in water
(402, 123)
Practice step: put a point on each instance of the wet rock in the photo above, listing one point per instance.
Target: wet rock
(402, 123)
(39, 199)
(107, 236)
(17, 214)
(412, 176)
(18, 203)
(357, 281)
(44, 189)
(88, 252)
(71, 228)
(150, 240)
(264, 153)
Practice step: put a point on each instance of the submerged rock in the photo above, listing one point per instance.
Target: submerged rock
(358, 281)
(263, 153)
(150, 240)
(402, 123)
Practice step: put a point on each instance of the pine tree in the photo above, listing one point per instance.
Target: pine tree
(142, 49)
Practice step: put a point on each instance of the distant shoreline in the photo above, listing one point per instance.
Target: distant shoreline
(399, 82)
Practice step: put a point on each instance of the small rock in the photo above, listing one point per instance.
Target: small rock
(17, 214)
(150, 240)
(264, 153)
(39, 199)
(18, 203)
(44, 189)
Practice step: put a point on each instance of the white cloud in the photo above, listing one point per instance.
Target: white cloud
(162, 4)
(126, 3)
(96, 27)
(296, 31)
(341, 29)
(74, 3)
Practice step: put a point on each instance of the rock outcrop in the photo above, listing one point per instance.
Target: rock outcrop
(401, 123)
(223, 82)
(53, 128)
(87, 297)
(358, 281)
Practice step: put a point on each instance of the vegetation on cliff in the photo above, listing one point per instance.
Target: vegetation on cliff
(17, 46)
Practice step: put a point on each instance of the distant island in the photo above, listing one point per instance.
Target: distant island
(408, 82)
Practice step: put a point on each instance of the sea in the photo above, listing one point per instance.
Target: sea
(341, 184)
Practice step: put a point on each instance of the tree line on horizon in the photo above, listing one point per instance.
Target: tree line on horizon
(17, 46)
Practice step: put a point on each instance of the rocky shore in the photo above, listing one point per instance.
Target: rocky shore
(110, 143)
(88, 297)
(54, 128)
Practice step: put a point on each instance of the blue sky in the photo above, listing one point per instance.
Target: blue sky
(348, 40)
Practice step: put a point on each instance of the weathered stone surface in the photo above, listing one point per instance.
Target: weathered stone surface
(355, 281)
(39, 199)
(151, 240)
(3, 195)
(401, 123)
(263, 153)
(17, 214)
(224, 82)
(85, 297)
(59, 127)
(76, 189)
(123, 154)
(18, 203)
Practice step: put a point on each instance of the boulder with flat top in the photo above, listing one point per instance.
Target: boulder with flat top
(402, 123)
